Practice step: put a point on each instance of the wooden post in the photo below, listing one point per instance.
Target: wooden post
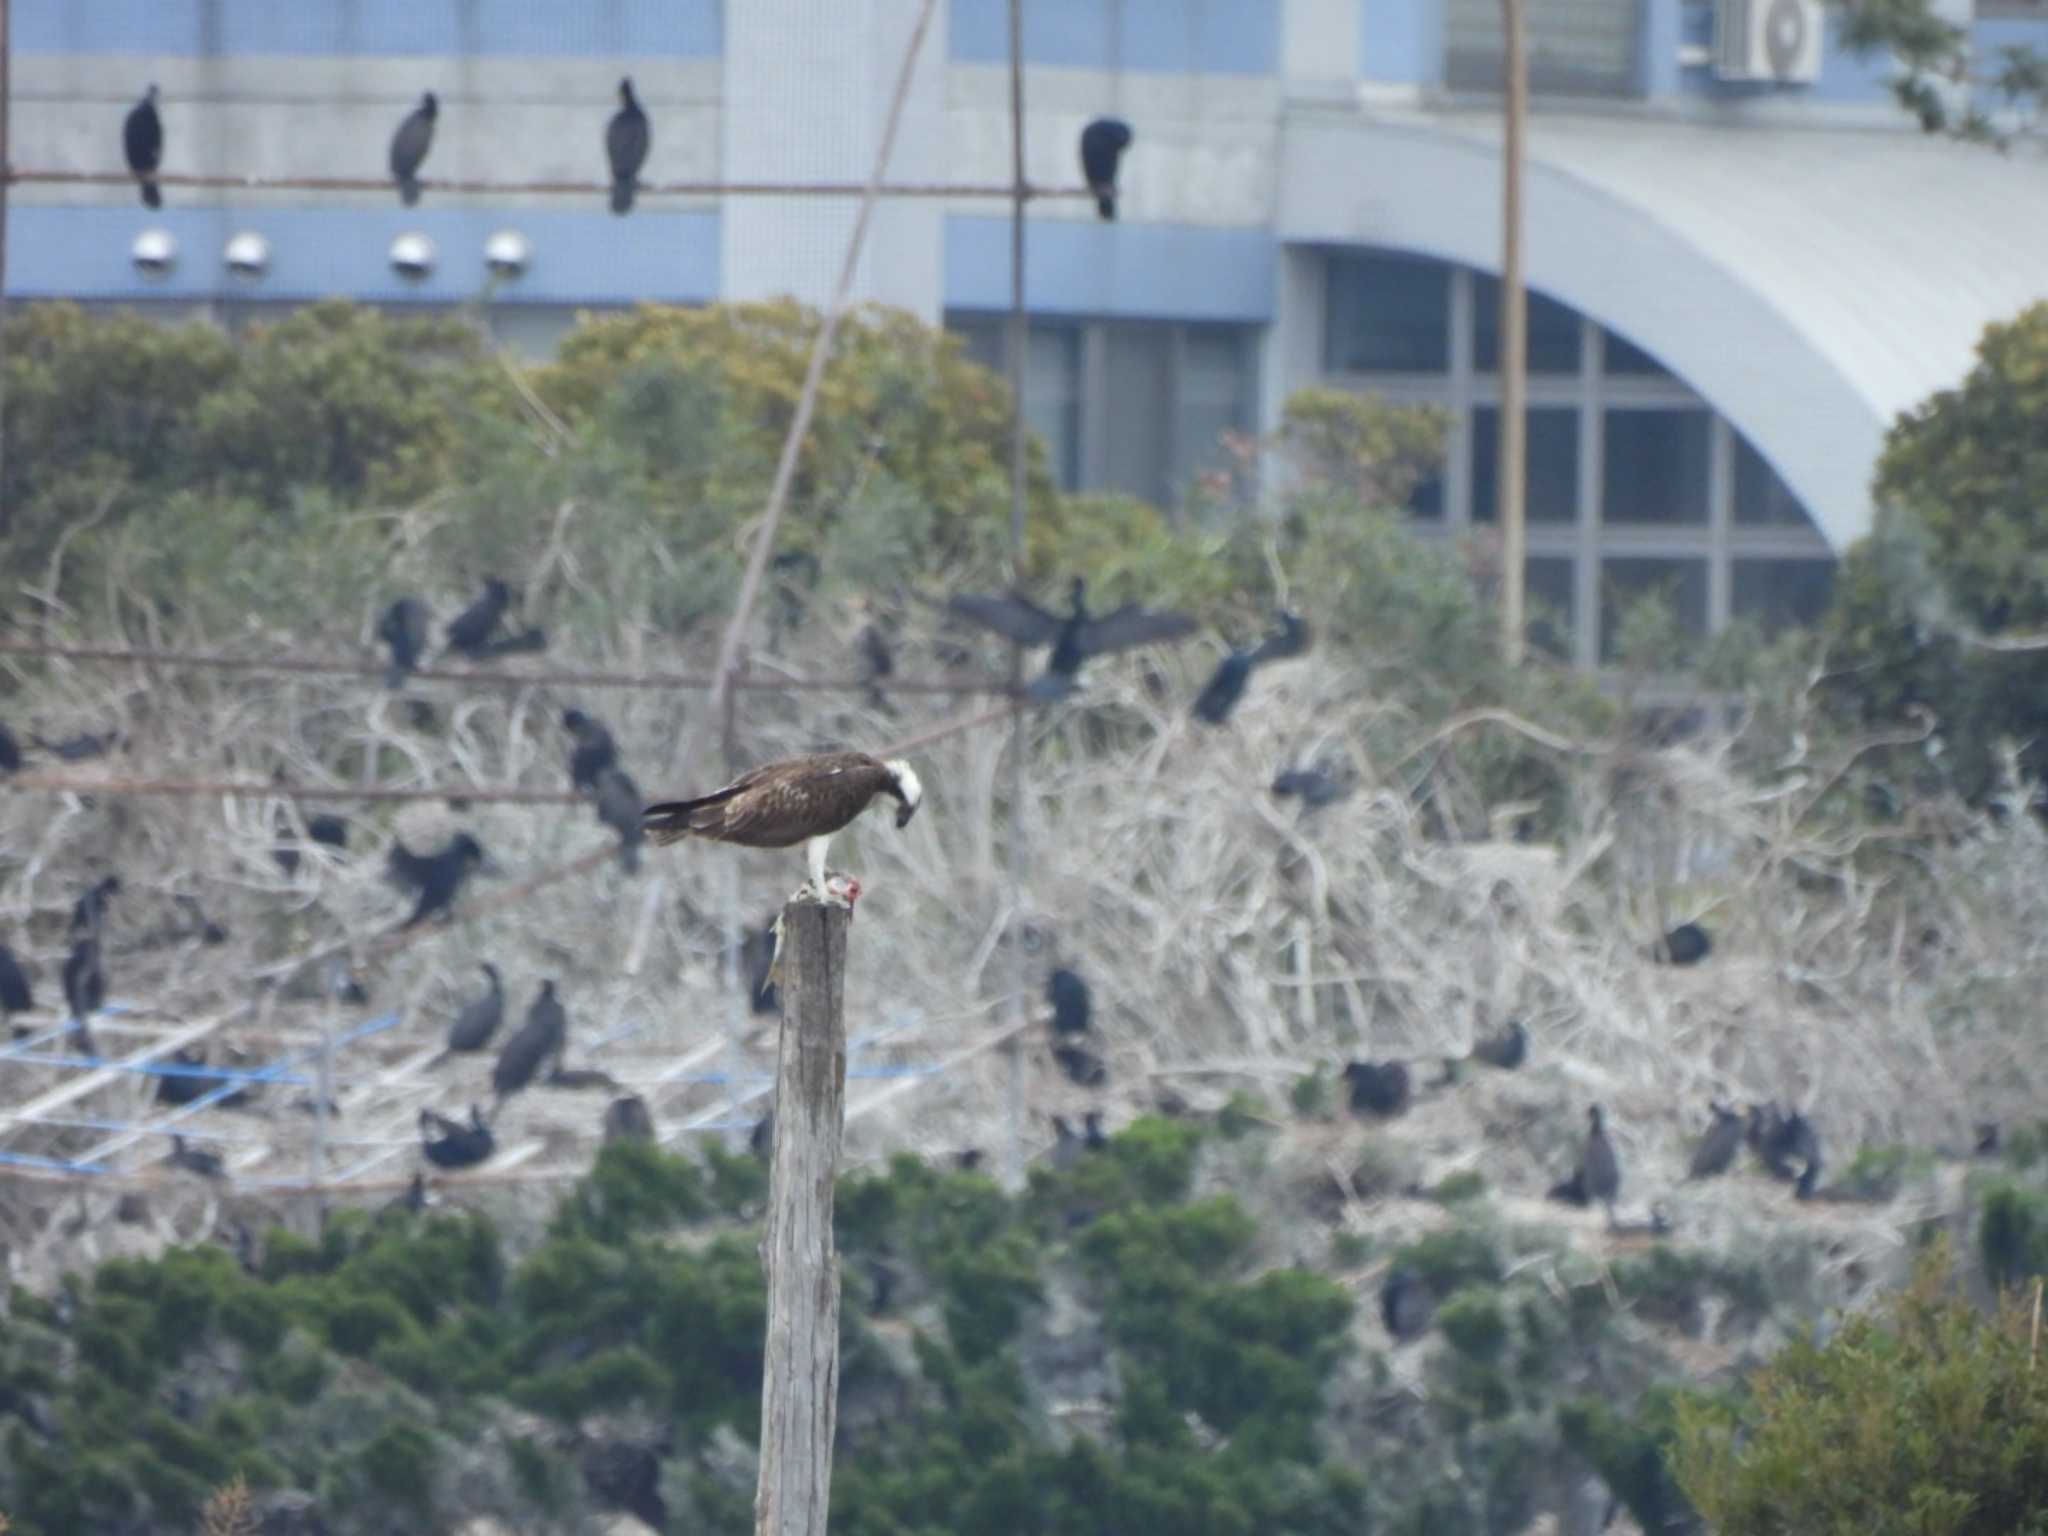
(800, 1366)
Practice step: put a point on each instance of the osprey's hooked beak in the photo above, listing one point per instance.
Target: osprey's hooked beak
(903, 814)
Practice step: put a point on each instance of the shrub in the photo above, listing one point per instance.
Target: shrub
(1474, 1324)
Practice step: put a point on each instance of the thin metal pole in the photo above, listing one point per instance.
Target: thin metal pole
(1017, 347)
(1514, 339)
(6, 117)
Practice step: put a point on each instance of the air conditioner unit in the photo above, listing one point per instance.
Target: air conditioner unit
(1771, 40)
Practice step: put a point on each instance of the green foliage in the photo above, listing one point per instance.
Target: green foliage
(1670, 1286)
(1241, 1113)
(1632, 1453)
(1939, 62)
(1474, 1324)
(1310, 1095)
(1456, 1188)
(1924, 1417)
(1361, 446)
(1451, 1260)
(399, 1464)
(2013, 1235)
(633, 1187)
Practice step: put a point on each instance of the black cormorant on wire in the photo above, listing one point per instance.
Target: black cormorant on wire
(1405, 1304)
(409, 147)
(436, 876)
(626, 1119)
(89, 912)
(193, 1160)
(1687, 944)
(195, 1082)
(1601, 1167)
(625, 145)
(142, 140)
(404, 628)
(1379, 1087)
(1073, 638)
(540, 1039)
(1718, 1147)
(594, 751)
(1226, 685)
(470, 631)
(450, 1144)
(85, 988)
(618, 807)
(479, 1018)
(1506, 1050)
(1103, 143)
(1072, 1009)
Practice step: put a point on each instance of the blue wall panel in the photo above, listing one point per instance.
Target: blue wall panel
(1401, 42)
(1226, 37)
(1160, 271)
(369, 27)
(578, 258)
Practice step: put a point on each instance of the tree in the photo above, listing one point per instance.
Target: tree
(1943, 80)
(1926, 1418)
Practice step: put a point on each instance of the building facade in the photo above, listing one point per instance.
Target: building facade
(1744, 260)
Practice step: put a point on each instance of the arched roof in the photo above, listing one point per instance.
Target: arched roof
(1811, 284)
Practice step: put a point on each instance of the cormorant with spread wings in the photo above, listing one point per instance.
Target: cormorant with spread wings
(1074, 638)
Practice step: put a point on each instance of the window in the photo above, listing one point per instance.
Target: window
(1551, 604)
(1552, 490)
(1213, 399)
(1576, 47)
(1136, 418)
(1655, 467)
(1553, 330)
(1761, 498)
(1624, 357)
(1387, 314)
(1683, 584)
(1778, 593)
(981, 339)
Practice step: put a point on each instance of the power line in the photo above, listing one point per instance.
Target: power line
(591, 189)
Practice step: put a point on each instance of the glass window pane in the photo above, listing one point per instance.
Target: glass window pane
(1387, 314)
(1426, 501)
(1553, 330)
(1655, 467)
(1550, 603)
(1052, 398)
(1553, 481)
(1626, 357)
(1778, 593)
(1213, 400)
(1761, 498)
(981, 338)
(1623, 582)
(1134, 416)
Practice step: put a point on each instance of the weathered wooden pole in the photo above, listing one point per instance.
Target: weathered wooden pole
(800, 1366)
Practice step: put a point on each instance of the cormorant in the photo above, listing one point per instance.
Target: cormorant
(436, 876)
(1718, 1147)
(1571, 1191)
(1987, 1133)
(404, 628)
(967, 1159)
(1103, 143)
(761, 1140)
(1601, 1167)
(411, 1203)
(580, 1077)
(142, 140)
(10, 751)
(409, 147)
(1687, 944)
(332, 831)
(594, 751)
(625, 145)
(479, 1018)
(1226, 685)
(16, 996)
(470, 631)
(184, 1087)
(626, 1119)
(80, 748)
(1315, 787)
(89, 912)
(1381, 1087)
(618, 807)
(85, 988)
(452, 1144)
(1506, 1050)
(1075, 638)
(540, 1039)
(193, 1160)
(1405, 1304)
(1072, 1007)
(879, 661)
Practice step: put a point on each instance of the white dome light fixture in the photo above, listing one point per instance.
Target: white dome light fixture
(154, 253)
(506, 253)
(412, 257)
(248, 255)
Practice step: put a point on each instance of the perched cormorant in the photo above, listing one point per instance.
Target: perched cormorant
(618, 807)
(10, 751)
(540, 1039)
(1506, 1050)
(1987, 1144)
(85, 988)
(594, 751)
(625, 145)
(626, 1119)
(16, 996)
(1687, 944)
(1405, 1304)
(1074, 638)
(193, 1160)
(1380, 1087)
(89, 912)
(436, 876)
(196, 1083)
(470, 631)
(450, 1144)
(1780, 1139)
(1072, 1007)
(1601, 1167)
(142, 140)
(1226, 685)
(967, 1159)
(409, 147)
(1718, 1147)
(1103, 143)
(479, 1018)
(410, 1203)
(1571, 1191)
(404, 628)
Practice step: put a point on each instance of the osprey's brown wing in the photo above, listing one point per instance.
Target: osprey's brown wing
(776, 805)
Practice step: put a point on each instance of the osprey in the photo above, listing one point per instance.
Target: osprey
(801, 800)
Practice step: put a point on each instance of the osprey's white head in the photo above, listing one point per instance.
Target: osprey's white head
(906, 787)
